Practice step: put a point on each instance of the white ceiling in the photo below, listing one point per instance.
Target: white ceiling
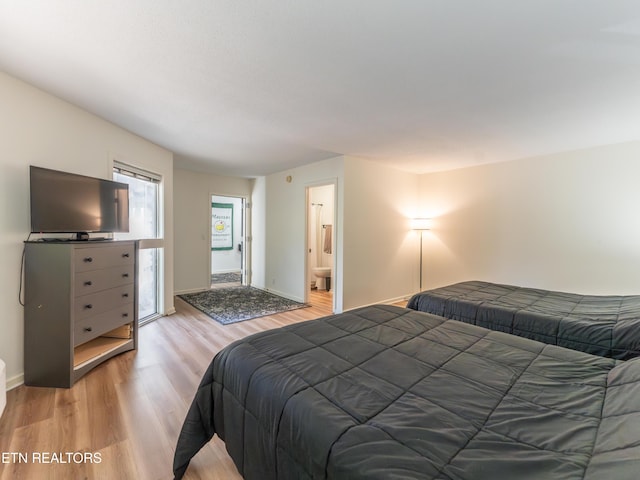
(251, 87)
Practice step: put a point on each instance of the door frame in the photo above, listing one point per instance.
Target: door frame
(336, 283)
(245, 261)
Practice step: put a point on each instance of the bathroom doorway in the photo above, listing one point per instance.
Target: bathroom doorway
(320, 279)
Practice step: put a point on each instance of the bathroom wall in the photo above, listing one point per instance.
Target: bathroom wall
(315, 237)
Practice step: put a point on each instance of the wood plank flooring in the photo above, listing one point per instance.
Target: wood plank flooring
(130, 409)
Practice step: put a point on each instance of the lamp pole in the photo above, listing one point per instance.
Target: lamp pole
(421, 259)
(421, 224)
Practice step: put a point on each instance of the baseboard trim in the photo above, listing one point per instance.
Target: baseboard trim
(281, 294)
(14, 382)
(192, 290)
(389, 301)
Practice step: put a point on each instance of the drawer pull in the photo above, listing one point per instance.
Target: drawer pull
(88, 259)
(125, 314)
(125, 255)
(88, 283)
(88, 306)
(125, 295)
(88, 329)
(125, 275)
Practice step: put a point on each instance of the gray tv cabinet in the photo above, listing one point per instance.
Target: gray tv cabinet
(81, 307)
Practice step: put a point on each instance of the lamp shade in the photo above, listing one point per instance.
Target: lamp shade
(420, 224)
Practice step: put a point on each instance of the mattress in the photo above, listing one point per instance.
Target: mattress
(608, 326)
(385, 392)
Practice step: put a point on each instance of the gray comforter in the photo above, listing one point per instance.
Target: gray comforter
(389, 393)
(602, 325)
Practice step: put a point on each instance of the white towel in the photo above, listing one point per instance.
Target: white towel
(327, 239)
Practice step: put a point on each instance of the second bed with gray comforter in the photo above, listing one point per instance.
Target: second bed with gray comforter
(605, 325)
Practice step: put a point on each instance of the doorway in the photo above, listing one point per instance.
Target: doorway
(228, 257)
(320, 278)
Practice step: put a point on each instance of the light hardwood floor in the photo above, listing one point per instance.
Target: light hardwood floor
(131, 408)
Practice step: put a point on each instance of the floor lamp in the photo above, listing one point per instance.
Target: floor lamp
(421, 224)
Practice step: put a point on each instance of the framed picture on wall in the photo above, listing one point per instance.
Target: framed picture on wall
(221, 226)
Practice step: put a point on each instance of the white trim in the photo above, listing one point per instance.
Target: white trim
(281, 294)
(388, 301)
(336, 280)
(14, 382)
(149, 319)
(246, 236)
(190, 290)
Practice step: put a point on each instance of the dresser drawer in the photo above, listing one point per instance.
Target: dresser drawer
(93, 327)
(96, 303)
(96, 280)
(102, 257)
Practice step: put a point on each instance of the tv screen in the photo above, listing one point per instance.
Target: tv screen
(64, 202)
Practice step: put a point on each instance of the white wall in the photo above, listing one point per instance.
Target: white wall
(285, 227)
(192, 207)
(565, 222)
(380, 251)
(376, 252)
(40, 129)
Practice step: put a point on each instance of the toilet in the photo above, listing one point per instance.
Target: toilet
(323, 272)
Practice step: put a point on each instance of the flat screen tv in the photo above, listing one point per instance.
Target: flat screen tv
(64, 202)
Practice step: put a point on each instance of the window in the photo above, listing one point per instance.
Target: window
(144, 224)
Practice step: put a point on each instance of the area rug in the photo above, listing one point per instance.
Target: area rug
(235, 304)
(229, 277)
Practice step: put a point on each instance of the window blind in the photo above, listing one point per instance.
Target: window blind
(135, 172)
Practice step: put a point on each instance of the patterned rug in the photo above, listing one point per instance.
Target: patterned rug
(229, 277)
(235, 304)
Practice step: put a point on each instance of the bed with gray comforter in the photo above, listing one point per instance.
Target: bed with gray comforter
(385, 392)
(602, 325)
